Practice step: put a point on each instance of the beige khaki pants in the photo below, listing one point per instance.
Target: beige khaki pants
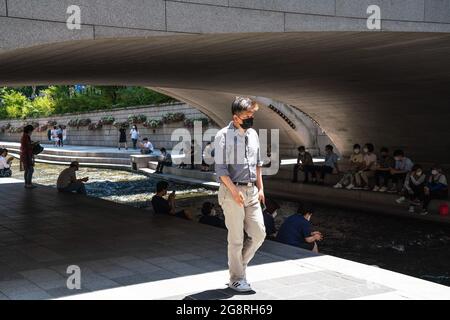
(364, 176)
(239, 219)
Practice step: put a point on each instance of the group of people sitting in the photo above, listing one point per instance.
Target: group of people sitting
(396, 170)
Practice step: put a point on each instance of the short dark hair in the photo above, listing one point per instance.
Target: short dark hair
(329, 147)
(163, 150)
(384, 149)
(162, 185)
(3, 150)
(416, 167)
(301, 148)
(207, 208)
(74, 164)
(356, 146)
(241, 104)
(304, 208)
(27, 129)
(370, 147)
(145, 139)
(399, 153)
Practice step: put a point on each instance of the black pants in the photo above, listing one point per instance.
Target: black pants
(382, 178)
(324, 170)
(307, 170)
(161, 164)
(28, 174)
(398, 178)
(439, 194)
(134, 143)
(418, 192)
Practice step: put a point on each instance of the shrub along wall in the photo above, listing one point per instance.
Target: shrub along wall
(101, 128)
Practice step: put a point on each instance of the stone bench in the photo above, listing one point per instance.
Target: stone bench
(139, 161)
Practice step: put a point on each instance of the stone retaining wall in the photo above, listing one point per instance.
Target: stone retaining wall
(108, 135)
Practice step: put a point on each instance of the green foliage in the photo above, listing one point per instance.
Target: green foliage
(107, 120)
(154, 123)
(137, 118)
(119, 124)
(173, 117)
(189, 123)
(55, 100)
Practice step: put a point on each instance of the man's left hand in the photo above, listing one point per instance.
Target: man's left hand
(261, 196)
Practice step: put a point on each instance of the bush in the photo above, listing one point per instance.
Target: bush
(95, 125)
(154, 123)
(107, 120)
(137, 119)
(189, 123)
(137, 96)
(79, 122)
(173, 117)
(119, 124)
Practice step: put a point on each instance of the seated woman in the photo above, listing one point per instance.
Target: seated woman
(209, 216)
(296, 230)
(413, 187)
(5, 164)
(356, 164)
(435, 188)
(165, 160)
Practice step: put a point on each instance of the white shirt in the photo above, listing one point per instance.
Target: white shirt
(3, 163)
(148, 145)
(134, 134)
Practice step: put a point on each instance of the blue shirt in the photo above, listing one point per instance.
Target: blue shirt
(237, 155)
(331, 160)
(294, 230)
(404, 165)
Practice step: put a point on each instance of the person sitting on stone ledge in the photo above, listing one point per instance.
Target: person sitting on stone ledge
(210, 217)
(383, 172)
(356, 162)
(304, 163)
(68, 182)
(296, 230)
(269, 214)
(167, 206)
(435, 188)
(165, 159)
(330, 165)
(403, 165)
(146, 146)
(368, 167)
(5, 164)
(413, 187)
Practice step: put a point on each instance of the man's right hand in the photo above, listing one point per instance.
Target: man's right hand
(238, 196)
(318, 236)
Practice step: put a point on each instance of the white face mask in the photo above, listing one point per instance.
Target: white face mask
(213, 212)
(366, 150)
(356, 151)
(274, 214)
(418, 172)
(434, 172)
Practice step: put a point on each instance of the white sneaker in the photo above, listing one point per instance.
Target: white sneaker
(400, 200)
(350, 187)
(376, 188)
(240, 286)
(337, 186)
(424, 213)
(383, 189)
(411, 209)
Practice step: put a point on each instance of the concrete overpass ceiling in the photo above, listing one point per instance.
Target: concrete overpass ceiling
(387, 88)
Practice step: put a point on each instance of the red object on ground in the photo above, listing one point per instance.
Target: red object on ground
(443, 209)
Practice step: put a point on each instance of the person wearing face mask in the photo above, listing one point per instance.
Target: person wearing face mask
(296, 230)
(436, 188)
(239, 171)
(413, 188)
(403, 165)
(368, 167)
(330, 164)
(383, 170)
(304, 163)
(209, 216)
(270, 213)
(356, 160)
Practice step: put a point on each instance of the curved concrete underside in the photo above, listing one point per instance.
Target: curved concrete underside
(388, 88)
